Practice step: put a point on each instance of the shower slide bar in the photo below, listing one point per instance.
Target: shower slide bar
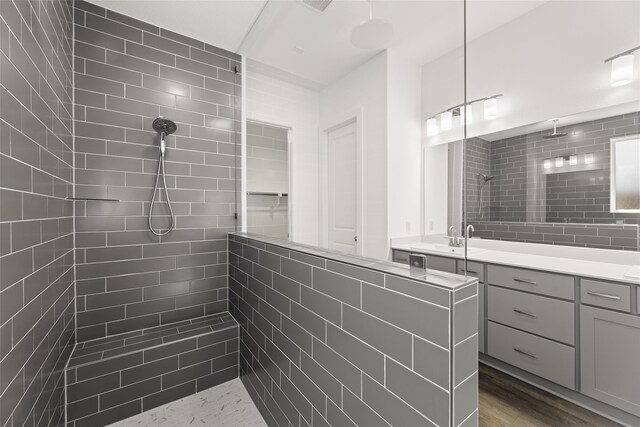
(91, 199)
(260, 193)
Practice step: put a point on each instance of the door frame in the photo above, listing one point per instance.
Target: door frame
(341, 119)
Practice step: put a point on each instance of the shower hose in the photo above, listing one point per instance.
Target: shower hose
(161, 171)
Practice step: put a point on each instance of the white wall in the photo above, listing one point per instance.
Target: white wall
(365, 90)
(274, 100)
(547, 63)
(404, 163)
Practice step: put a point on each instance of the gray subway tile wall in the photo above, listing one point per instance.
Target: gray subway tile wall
(353, 354)
(127, 73)
(36, 222)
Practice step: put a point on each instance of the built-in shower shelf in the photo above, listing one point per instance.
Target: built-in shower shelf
(91, 199)
(261, 193)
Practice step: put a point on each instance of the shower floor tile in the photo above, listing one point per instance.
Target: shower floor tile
(225, 405)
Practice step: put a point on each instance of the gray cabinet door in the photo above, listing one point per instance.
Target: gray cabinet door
(610, 357)
(481, 297)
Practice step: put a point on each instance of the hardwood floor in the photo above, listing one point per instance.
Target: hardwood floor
(506, 401)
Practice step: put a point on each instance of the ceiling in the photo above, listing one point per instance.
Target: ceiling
(291, 36)
(222, 23)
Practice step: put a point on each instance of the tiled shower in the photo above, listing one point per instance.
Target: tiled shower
(101, 320)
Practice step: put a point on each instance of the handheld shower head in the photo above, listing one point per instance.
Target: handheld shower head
(164, 126)
(486, 178)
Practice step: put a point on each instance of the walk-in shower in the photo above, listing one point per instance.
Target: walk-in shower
(484, 178)
(164, 127)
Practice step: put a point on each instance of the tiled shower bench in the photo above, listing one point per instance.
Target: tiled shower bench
(110, 379)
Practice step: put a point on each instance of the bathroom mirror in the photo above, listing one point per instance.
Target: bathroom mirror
(539, 163)
(625, 174)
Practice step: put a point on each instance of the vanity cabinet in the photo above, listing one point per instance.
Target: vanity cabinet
(610, 357)
(580, 333)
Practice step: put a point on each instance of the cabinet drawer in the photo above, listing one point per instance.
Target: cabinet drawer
(547, 359)
(555, 285)
(474, 269)
(539, 315)
(441, 264)
(607, 295)
(401, 256)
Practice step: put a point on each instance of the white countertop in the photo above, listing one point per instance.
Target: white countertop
(552, 262)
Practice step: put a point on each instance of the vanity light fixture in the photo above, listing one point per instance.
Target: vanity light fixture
(432, 126)
(559, 162)
(573, 160)
(622, 67)
(547, 164)
(446, 120)
(465, 111)
(490, 108)
(466, 114)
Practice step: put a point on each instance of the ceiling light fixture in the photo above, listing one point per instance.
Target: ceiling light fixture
(622, 67)
(372, 34)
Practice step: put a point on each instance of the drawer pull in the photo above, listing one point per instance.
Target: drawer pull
(526, 353)
(526, 313)
(598, 294)
(528, 282)
(468, 271)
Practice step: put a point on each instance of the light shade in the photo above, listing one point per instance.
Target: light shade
(466, 115)
(490, 108)
(445, 120)
(622, 70)
(573, 160)
(547, 164)
(432, 127)
(559, 162)
(588, 158)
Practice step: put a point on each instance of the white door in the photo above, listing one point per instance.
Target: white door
(343, 195)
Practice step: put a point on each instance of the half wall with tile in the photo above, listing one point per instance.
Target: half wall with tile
(328, 339)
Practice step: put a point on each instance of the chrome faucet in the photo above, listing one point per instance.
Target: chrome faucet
(470, 231)
(454, 239)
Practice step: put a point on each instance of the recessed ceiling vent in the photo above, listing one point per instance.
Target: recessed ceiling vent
(318, 5)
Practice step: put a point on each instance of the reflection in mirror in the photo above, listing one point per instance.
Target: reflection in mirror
(539, 165)
(625, 174)
(267, 177)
